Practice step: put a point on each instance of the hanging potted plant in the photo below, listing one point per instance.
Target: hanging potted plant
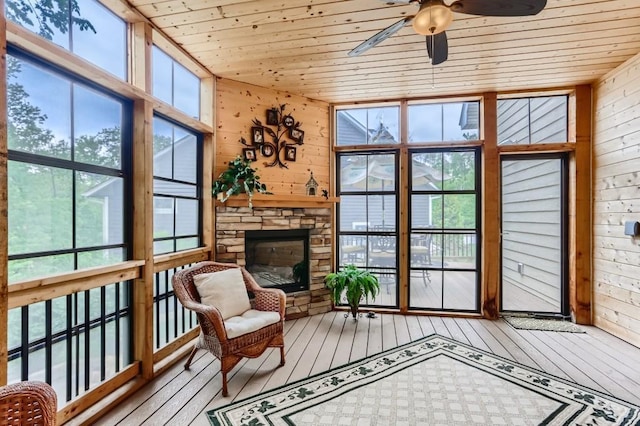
(239, 178)
(354, 283)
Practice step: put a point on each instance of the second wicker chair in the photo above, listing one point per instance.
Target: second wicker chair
(28, 403)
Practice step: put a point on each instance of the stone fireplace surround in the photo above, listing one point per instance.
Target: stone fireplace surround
(232, 222)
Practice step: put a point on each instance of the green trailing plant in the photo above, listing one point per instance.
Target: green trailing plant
(354, 283)
(239, 178)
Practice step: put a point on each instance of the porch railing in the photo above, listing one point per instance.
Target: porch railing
(76, 331)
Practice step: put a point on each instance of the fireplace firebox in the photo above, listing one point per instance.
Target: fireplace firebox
(279, 258)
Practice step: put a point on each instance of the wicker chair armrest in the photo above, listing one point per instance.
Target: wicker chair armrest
(25, 401)
(211, 313)
(270, 299)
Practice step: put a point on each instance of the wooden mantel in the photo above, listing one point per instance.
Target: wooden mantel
(291, 201)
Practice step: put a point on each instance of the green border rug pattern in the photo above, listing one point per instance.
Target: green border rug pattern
(434, 380)
(524, 323)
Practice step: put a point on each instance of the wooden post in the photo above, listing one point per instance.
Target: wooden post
(143, 234)
(140, 76)
(208, 206)
(403, 233)
(207, 115)
(140, 56)
(580, 229)
(490, 210)
(4, 195)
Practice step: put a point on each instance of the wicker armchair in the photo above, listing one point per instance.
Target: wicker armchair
(28, 403)
(213, 335)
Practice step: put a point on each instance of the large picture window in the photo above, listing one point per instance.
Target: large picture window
(177, 191)
(68, 145)
(69, 174)
(429, 240)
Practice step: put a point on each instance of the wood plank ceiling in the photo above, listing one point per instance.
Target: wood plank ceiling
(301, 46)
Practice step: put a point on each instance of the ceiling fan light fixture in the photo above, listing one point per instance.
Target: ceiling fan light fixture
(432, 18)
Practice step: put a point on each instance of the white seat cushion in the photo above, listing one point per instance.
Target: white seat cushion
(249, 322)
(225, 290)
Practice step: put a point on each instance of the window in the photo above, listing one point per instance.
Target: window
(176, 188)
(532, 120)
(174, 84)
(441, 255)
(368, 126)
(67, 172)
(367, 217)
(444, 122)
(444, 244)
(86, 28)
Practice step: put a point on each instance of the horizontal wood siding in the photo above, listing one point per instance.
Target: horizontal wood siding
(238, 104)
(616, 164)
(531, 227)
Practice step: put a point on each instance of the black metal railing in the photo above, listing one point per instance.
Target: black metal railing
(458, 246)
(72, 342)
(171, 320)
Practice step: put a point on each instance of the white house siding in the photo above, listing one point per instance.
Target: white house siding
(548, 117)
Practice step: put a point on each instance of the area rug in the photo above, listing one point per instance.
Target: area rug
(525, 323)
(431, 381)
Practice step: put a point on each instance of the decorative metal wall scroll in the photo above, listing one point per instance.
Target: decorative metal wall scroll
(283, 139)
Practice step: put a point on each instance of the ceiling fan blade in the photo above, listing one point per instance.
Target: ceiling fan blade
(499, 7)
(380, 37)
(438, 48)
(390, 2)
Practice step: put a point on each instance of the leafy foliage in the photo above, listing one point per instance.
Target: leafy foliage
(49, 15)
(355, 283)
(237, 179)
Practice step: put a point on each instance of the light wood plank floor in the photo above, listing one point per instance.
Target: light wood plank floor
(315, 344)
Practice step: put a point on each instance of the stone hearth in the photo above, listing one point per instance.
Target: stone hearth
(232, 222)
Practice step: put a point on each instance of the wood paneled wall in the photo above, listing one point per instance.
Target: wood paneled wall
(616, 199)
(237, 104)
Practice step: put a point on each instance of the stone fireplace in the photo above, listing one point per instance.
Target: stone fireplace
(232, 226)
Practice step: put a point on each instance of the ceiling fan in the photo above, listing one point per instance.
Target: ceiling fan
(434, 16)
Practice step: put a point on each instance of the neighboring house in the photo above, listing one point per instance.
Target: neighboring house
(165, 162)
(358, 168)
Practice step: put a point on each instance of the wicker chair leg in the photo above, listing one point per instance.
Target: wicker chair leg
(281, 356)
(193, 352)
(224, 384)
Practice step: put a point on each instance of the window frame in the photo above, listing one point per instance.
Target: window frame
(125, 172)
(199, 190)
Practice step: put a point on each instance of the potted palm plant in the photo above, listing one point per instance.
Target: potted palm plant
(239, 178)
(354, 283)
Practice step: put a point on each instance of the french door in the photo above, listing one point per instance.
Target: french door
(442, 226)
